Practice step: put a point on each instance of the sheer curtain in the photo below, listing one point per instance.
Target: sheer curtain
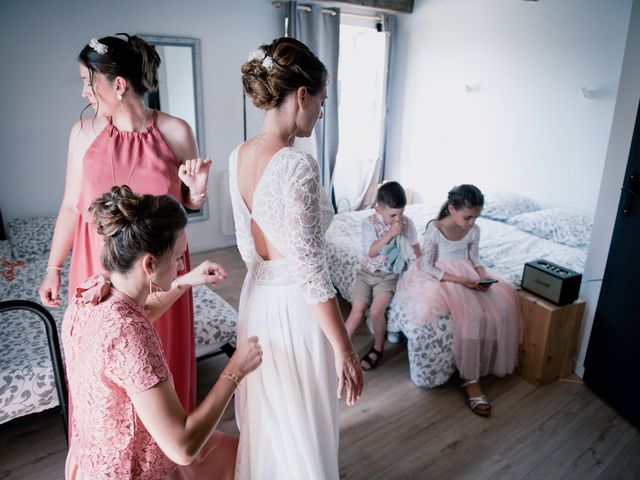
(363, 71)
(319, 29)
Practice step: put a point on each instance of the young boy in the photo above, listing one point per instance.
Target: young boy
(375, 281)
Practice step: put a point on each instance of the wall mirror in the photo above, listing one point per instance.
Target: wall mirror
(180, 90)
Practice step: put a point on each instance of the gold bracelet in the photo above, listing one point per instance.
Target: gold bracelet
(231, 376)
(53, 267)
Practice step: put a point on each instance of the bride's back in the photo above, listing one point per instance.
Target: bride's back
(251, 165)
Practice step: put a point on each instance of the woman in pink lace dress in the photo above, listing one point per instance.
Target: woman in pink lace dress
(128, 422)
(126, 143)
(450, 279)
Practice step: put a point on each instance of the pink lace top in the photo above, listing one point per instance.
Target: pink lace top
(111, 351)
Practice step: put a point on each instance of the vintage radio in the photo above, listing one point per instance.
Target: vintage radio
(551, 282)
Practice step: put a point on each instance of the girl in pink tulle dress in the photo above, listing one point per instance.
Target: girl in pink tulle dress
(449, 279)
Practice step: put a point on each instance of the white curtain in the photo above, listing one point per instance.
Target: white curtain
(320, 31)
(363, 84)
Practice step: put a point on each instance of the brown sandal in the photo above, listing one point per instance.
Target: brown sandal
(369, 360)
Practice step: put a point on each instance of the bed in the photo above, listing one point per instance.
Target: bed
(514, 230)
(27, 383)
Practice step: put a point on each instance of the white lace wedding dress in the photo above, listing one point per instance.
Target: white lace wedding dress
(287, 410)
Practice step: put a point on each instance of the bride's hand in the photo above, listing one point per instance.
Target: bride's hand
(350, 376)
(207, 272)
(195, 174)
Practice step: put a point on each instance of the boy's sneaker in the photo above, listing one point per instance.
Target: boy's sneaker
(393, 337)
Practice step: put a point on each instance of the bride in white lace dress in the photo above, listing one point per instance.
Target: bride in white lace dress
(287, 411)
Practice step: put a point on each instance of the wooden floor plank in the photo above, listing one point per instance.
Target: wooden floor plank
(626, 464)
(400, 431)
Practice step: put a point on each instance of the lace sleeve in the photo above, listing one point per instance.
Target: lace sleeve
(430, 253)
(474, 247)
(305, 229)
(134, 360)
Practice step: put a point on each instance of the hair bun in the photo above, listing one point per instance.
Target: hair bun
(257, 84)
(116, 210)
(134, 224)
(279, 68)
(150, 61)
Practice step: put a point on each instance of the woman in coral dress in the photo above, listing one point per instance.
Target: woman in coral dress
(449, 279)
(126, 143)
(128, 421)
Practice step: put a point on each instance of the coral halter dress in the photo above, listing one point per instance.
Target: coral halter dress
(143, 161)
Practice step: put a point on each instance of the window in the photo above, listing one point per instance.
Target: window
(362, 77)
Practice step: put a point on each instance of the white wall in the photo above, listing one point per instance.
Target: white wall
(40, 85)
(616, 162)
(524, 126)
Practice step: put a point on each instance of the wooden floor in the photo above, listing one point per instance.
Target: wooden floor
(400, 431)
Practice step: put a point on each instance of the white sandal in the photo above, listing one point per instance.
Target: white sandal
(476, 403)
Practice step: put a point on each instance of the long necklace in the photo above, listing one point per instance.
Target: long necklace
(133, 164)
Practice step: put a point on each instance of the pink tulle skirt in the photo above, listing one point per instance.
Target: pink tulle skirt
(487, 324)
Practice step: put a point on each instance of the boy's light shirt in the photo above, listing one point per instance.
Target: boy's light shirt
(373, 227)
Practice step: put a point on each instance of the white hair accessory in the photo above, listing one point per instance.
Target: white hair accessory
(259, 54)
(100, 48)
(267, 62)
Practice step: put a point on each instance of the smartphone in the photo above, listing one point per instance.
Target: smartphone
(487, 281)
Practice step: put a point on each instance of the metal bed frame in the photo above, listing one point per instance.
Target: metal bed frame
(54, 351)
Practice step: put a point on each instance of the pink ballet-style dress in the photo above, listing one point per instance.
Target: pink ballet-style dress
(486, 324)
(143, 161)
(112, 351)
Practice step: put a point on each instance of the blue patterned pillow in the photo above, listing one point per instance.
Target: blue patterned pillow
(504, 205)
(31, 237)
(556, 224)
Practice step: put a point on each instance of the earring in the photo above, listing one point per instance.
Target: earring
(119, 97)
(154, 289)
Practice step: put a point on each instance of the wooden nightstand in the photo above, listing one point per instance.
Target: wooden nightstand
(549, 340)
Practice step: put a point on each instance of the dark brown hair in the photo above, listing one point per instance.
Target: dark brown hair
(133, 225)
(462, 196)
(287, 66)
(392, 195)
(133, 59)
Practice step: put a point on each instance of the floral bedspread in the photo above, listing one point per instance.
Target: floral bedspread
(26, 375)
